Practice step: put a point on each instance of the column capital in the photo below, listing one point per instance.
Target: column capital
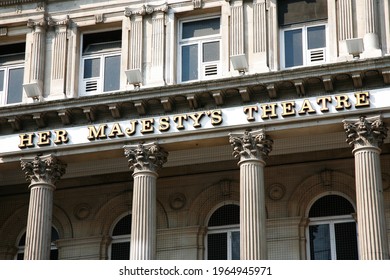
(145, 157)
(140, 11)
(43, 169)
(251, 145)
(365, 132)
(37, 25)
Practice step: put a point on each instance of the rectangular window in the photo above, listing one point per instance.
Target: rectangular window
(199, 49)
(304, 45)
(11, 73)
(101, 62)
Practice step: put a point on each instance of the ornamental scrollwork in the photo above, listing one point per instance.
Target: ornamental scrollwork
(43, 169)
(251, 145)
(365, 131)
(145, 157)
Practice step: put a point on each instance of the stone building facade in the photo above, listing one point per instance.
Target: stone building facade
(203, 129)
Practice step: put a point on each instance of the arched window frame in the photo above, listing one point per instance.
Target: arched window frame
(230, 230)
(20, 252)
(330, 220)
(116, 239)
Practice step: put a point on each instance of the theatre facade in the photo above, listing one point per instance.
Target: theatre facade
(195, 130)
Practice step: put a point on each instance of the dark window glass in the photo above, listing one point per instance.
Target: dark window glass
(15, 85)
(210, 51)
(331, 205)
(346, 241)
(189, 63)
(53, 251)
(293, 52)
(201, 28)
(112, 73)
(123, 227)
(225, 215)
(217, 246)
(120, 251)
(316, 37)
(320, 242)
(101, 37)
(91, 68)
(1, 80)
(296, 11)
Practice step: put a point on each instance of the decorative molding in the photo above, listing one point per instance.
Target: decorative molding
(365, 131)
(197, 4)
(326, 178)
(137, 11)
(251, 145)
(99, 18)
(3, 31)
(58, 22)
(36, 23)
(276, 191)
(82, 211)
(43, 169)
(15, 2)
(177, 201)
(146, 9)
(225, 187)
(145, 157)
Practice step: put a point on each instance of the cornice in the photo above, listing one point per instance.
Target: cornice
(17, 2)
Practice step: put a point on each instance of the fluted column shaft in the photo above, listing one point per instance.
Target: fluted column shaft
(345, 22)
(42, 172)
(252, 149)
(252, 214)
(144, 160)
(38, 50)
(143, 230)
(259, 27)
(366, 135)
(237, 28)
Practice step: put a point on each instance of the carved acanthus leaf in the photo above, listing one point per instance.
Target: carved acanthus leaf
(145, 157)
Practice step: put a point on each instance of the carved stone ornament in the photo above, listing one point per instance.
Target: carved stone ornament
(136, 11)
(145, 157)
(365, 131)
(276, 191)
(197, 4)
(177, 201)
(58, 22)
(36, 23)
(146, 9)
(251, 145)
(43, 169)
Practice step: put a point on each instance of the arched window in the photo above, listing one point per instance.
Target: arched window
(223, 236)
(332, 230)
(120, 245)
(53, 248)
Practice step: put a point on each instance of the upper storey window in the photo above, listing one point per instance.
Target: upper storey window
(199, 49)
(101, 59)
(11, 73)
(303, 32)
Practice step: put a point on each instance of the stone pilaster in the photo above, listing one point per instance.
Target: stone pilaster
(365, 135)
(371, 38)
(236, 27)
(59, 60)
(259, 26)
(37, 66)
(252, 149)
(158, 43)
(136, 36)
(345, 20)
(42, 172)
(144, 160)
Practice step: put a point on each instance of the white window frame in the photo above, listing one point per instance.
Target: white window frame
(99, 80)
(331, 221)
(228, 229)
(305, 51)
(118, 238)
(200, 41)
(4, 92)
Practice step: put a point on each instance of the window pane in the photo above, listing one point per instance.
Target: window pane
(120, 251)
(91, 68)
(316, 37)
(189, 63)
(225, 215)
(331, 205)
(320, 242)
(293, 48)
(112, 73)
(2, 80)
(15, 86)
(346, 242)
(217, 246)
(211, 51)
(235, 245)
(201, 28)
(122, 227)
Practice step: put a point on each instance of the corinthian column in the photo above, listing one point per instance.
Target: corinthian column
(252, 149)
(366, 135)
(144, 160)
(42, 172)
